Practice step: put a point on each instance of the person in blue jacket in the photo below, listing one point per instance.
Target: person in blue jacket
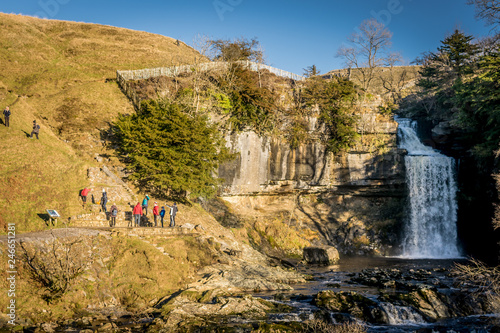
(145, 205)
(162, 215)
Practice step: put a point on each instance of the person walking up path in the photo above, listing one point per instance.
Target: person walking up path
(156, 212)
(36, 130)
(145, 204)
(113, 214)
(6, 114)
(104, 201)
(137, 212)
(83, 194)
(173, 211)
(162, 215)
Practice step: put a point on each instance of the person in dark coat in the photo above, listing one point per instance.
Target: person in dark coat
(162, 215)
(173, 212)
(36, 130)
(6, 114)
(104, 201)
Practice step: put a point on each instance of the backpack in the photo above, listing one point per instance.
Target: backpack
(114, 212)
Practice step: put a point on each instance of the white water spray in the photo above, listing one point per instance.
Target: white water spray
(430, 230)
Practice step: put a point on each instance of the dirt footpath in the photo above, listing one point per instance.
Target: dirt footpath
(54, 233)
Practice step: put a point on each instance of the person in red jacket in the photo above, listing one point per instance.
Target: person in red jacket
(137, 212)
(83, 194)
(156, 212)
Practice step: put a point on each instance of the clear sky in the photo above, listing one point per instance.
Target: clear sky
(294, 33)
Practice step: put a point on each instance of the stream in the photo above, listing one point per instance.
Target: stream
(401, 319)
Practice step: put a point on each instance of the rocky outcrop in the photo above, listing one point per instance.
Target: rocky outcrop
(269, 166)
(321, 255)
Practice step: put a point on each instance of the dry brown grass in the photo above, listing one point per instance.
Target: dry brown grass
(62, 74)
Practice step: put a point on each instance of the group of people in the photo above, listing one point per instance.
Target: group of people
(141, 210)
(113, 212)
(7, 113)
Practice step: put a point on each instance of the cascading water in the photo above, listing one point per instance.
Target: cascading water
(430, 230)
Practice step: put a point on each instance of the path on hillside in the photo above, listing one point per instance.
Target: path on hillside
(96, 231)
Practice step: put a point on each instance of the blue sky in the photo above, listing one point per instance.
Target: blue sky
(294, 34)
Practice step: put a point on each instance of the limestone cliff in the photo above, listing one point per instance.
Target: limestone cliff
(356, 194)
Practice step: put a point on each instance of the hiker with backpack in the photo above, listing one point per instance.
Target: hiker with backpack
(113, 214)
(173, 211)
(36, 130)
(83, 195)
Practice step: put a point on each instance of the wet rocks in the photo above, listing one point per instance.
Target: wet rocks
(321, 255)
(351, 303)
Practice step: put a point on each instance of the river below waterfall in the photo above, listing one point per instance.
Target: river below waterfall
(401, 319)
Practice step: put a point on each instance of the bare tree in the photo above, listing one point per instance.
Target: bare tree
(488, 10)
(203, 44)
(57, 263)
(370, 41)
(397, 77)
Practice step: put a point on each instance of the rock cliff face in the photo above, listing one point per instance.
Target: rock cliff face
(268, 166)
(358, 196)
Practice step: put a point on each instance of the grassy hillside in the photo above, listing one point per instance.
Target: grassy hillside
(62, 74)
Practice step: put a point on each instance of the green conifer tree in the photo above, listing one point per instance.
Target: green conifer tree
(171, 152)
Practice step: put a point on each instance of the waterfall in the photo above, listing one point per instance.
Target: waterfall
(430, 230)
(401, 315)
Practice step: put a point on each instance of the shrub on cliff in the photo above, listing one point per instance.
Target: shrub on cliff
(171, 149)
(336, 100)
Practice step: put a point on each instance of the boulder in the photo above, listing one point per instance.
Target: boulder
(322, 255)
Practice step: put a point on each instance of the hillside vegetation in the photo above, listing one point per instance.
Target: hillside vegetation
(62, 74)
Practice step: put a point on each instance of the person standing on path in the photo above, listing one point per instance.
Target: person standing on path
(104, 201)
(6, 114)
(137, 212)
(162, 215)
(36, 130)
(113, 214)
(156, 212)
(145, 204)
(173, 211)
(83, 194)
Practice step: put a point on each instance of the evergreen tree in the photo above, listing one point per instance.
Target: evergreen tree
(460, 51)
(335, 99)
(171, 152)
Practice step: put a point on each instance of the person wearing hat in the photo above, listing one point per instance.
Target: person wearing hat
(36, 130)
(156, 212)
(162, 215)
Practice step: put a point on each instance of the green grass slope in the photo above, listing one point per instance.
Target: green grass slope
(62, 74)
